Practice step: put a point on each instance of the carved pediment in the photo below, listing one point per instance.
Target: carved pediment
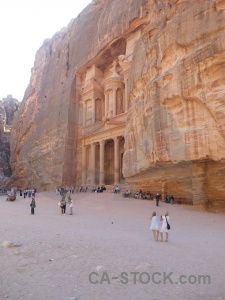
(92, 86)
(119, 119)
(94, 128)
(117, 123)
(103, 126)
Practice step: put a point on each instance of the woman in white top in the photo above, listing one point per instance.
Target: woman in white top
(165, 219)
(155, 226)
(71, 206)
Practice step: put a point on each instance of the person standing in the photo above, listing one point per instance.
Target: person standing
(71, 206)
(172, 199)
(32, 205)
(63, 205)
(155, 226)
(157, 196)
(165, 219)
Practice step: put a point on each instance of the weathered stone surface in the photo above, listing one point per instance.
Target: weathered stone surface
(8, 108)
(46, 130)
(177, 93)
(171, 57)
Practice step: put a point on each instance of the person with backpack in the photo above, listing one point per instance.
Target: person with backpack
(165, 226)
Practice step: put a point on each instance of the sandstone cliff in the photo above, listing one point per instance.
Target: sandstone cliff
(175, 132)
(8, 108)
(44, 134)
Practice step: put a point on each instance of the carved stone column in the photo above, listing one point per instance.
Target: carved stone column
(114, 102)
(102, 162)
(125, 96)
(93, 163)
(84, 113)
(163, 191)
(125, 64)
(116, 161)
(106, 102)
(84, 167)
(93, 111)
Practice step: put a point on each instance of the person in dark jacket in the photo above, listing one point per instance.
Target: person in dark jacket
(32, 205)
(157, 197)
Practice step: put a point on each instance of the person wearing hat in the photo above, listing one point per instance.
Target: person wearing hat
(32, 205)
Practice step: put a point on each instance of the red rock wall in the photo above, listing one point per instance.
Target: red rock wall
(176, 118)
(174, 135)
(44, 135)
(8, 109)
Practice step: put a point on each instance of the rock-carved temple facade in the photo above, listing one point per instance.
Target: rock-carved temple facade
(104, 104)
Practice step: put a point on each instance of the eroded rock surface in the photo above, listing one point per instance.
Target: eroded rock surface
(8, 108)
(170, 56)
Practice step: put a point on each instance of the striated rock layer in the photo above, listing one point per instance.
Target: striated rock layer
(172, 55)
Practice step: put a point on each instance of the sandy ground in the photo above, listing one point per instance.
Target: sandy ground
(108, 235)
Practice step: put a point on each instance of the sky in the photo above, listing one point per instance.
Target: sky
(24, 25)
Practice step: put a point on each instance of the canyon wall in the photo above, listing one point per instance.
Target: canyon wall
(176, 128)
(8, 109)
(45, 131)
(174, 133)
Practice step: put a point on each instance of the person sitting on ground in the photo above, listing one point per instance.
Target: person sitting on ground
(167, 200)
(136, 195)
(127, 193)
(93, 189)
(148, 195)
(117, 189)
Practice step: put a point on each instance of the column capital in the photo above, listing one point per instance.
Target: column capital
(102, 142)
(117, 138)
